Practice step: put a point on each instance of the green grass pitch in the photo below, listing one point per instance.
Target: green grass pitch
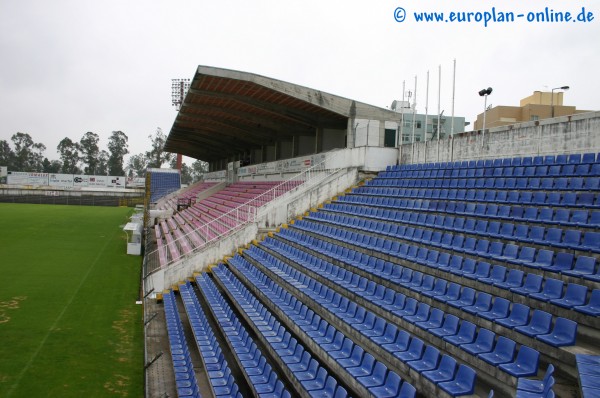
(69, 325)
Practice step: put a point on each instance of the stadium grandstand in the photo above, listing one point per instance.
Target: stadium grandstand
(314, 260)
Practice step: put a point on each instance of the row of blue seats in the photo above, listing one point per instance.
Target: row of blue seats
(341, 348)
(261, 377)
(534, 214)
(217, 369)
(518, 197)
(316, 379)
(431, 319)
(588, 367)
(506, 183)
(580, 170)
(392, 385)
(529, 257)
(353, 315)
(574, 158)
(516, 281)
(538, 235)
(185, 377)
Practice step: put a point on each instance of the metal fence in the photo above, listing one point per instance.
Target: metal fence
(251, 211)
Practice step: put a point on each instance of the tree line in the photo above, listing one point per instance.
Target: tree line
(86, 157)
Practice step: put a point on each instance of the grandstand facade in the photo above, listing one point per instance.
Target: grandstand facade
(460, 267)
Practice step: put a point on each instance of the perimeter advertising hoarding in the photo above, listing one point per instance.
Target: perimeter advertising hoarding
(61, 180)
(294, 165)
(25, 178)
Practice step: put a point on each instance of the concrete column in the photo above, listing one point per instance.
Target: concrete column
(263, 154)
(381, 133)
(350, 133)
(277, 150)
(295, 146)
(319, 139)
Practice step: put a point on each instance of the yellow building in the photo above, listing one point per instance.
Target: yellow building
(539, 105)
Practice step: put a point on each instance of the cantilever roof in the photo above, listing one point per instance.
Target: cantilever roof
(226, 112)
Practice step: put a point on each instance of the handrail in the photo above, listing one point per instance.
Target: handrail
(255, 208)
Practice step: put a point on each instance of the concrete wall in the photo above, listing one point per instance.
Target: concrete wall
(285, 149)
(333, 139)
(282, 210)
(306, 145)
(563, 135)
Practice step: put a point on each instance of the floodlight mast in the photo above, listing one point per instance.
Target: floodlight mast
(179, 88)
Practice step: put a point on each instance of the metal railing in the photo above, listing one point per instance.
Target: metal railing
(251, 211)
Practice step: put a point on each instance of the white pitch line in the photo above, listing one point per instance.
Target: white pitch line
(56, 321)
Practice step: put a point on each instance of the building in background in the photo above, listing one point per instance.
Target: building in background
(410, 118)
(540, 105)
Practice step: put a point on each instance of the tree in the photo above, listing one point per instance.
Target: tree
(89, 152)
(28, 155)
(102, 166)
(186, 174)
(157, 155)
(198, 169)
(69, 155)
(7, 155)
(118, 148)
(51, 166)
(137, 165)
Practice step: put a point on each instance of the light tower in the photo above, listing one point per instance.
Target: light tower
(179, 88)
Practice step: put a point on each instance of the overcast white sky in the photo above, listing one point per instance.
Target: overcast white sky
(72, 66)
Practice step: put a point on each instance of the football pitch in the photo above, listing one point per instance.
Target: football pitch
(69, 323)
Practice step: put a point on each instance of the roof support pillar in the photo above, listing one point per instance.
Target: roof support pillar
(319, 140)
(350, 133)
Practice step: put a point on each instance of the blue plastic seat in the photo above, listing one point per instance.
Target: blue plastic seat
(503, 352)
(448, 328)
(407, 391)
(452, 293)
(543, 259)
(584, 265)
(574, 295)
(439, 288)
(428, 361)
(497, 275)
(444, 371)
(391, 387)
(401, 343)
(532, 284)
(526, 364)
(514, 279)
(355, 358)
(483, 343)
(377, 378)
(564, 333)
(500, 309)
(483, 303)
(552, 289)
(467, 297)
(465, 335)
(422, 314)
(462, 384)
(415, 351)
(365, 368)
(519, 315)
(540, 323)
(435, 320)
(593, 306)
(482, 270)
(536, 386)
(316, 383)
